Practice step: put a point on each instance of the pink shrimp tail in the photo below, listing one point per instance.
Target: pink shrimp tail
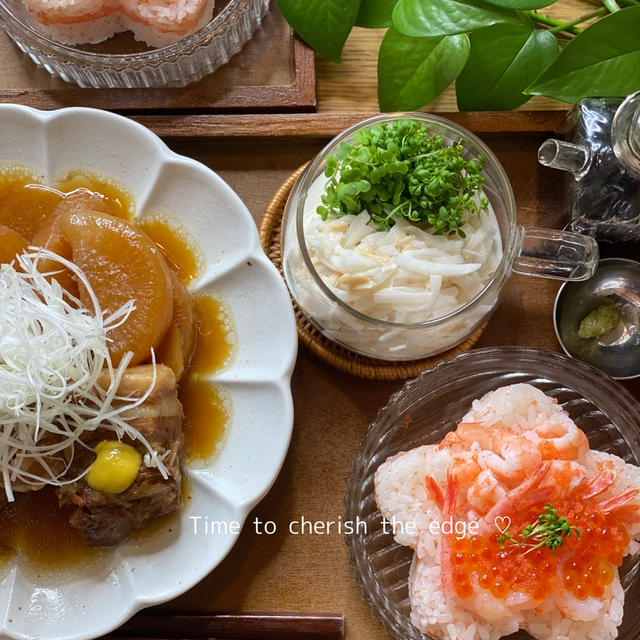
(523, 496)
(434, 491)
(599, 484)
(616, 502)
(448, 511)
(449, 440)
(451, 496)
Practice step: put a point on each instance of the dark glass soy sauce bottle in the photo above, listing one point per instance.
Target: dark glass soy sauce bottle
(603, 156)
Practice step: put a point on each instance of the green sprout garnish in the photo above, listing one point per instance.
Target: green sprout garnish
(547, 530)
(400, 169)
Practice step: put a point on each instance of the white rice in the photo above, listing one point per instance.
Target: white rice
(516, 408)
(401, 493)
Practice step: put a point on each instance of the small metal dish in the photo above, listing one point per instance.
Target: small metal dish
(617, 353)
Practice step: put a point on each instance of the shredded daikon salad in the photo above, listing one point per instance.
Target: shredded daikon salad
(52, 352)
(406, 274)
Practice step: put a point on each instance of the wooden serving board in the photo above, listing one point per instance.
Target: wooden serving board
(285, 572)
(273, 72)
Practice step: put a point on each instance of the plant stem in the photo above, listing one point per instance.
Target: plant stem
(611, 5)
(622, 3)
(572, 23)
(542, 18)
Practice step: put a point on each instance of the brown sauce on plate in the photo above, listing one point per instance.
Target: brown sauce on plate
(20, 190)
(34, 526)
(118, 196)
(37, 528)
(206, 410)
(175, 245)
(34, 202)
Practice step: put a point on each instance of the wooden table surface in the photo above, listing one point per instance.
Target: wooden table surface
(273, 72)
(311, 573)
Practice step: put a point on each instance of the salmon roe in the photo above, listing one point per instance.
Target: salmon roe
(584, 565)
(592, 559)
(499, 570)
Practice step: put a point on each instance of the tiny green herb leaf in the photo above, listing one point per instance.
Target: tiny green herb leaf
(400, 169)
(548, 530)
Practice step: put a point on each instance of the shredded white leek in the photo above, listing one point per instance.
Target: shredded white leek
(52, 352)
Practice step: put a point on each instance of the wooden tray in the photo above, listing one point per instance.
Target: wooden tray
(274, 72)
(320, 128)
(285, 572)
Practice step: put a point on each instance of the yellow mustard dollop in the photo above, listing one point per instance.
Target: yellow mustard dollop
(115, 467)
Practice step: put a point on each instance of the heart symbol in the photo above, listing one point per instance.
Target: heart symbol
(502, 523)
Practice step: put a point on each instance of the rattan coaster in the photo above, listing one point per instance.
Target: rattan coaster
(270, 229)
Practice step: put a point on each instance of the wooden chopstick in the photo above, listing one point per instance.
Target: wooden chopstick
(247, 626)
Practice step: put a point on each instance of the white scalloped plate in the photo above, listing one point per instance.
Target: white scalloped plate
(92, 600)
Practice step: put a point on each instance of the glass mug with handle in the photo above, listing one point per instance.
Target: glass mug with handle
(532, 251)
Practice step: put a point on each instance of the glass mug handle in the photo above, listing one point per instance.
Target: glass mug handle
(562, 255)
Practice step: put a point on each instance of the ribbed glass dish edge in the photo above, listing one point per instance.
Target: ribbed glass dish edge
(172, 66)
(543, 367)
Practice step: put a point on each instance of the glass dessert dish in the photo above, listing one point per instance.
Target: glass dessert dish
(430, 406)
(532, 251)
(122, 64)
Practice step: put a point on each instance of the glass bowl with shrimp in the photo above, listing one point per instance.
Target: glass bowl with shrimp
(126, 44)
(499, 494)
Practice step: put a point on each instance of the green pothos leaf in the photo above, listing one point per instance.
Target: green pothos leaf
(323, 24)
(504, 60)
(422, 19)
(521, 4)
(375, 13)
(603, 60)
(413, 71)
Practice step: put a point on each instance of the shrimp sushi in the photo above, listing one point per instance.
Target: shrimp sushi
(155, 22)
(538, 524)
